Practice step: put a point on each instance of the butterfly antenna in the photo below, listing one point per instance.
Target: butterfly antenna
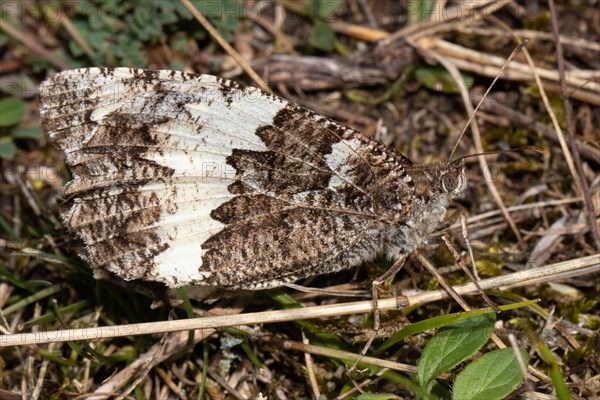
(539, 149)
(512, 55)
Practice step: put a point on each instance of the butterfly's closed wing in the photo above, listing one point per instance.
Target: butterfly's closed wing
(193, 180)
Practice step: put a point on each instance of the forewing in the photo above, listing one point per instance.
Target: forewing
(190, 179)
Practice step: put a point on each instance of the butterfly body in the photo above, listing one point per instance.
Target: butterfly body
(192, 180)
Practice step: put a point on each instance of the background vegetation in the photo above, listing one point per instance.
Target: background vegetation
(378, 66)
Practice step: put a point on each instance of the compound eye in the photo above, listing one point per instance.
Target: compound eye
(449, 182)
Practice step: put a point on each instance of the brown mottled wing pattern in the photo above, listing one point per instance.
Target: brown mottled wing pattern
(194, 180)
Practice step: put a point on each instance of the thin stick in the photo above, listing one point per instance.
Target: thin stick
(488, 7)
(443, 282)
(310, 369)
(375, 300)
(463, 223)
(520, 207)
(366, 9)
(330, 292)
(522, 364)
(458, 261)
(515, 70)
(559, 271)
(72, 30)
(455, 295)
(342, 355)
(226, 46)
(377, 282)
(145, 371)
(33, 45)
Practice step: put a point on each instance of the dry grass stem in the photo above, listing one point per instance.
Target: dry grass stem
(345, 355)
(33, 45)
(226, 46)
(549, 273)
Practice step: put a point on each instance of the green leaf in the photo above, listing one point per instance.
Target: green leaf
(325, 8)
(7, 148)
(145, 23)
(11, 111)
(95, 34)
(558, 379)
(438, 322)
(322, 36)
(493, 376)
(41, 255)
(453, 344)
(377, 396)
(37, 296)
(130, 53)
(438, 79)
(32, 132)
(419, 10)
(7, 228)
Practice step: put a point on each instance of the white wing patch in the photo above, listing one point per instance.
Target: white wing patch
(337, 161)
(192, 141)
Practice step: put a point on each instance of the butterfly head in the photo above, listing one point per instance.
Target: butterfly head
(425, 200)
(442, 179)
(453, 179)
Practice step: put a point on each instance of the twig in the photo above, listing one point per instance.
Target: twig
(531, 34)
(558, 271)
(465, 11)
(471, 277)
(517, 69)
(72, 30)
(33, 45)
(358, 31)
(42, 375)
(490, 214)
(226, 46)
(285, 42)
(522, 365)
(465, 235)
(170, 384)
(342, 355)
(443, 282)
(587, 198)
(366, 9)
(310, 369)
(147, 367)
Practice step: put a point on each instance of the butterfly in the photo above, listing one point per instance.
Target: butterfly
(197, 181)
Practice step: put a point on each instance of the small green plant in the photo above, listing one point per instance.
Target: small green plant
(492, 376)
(119, 33)
(12, 111)
(439, 79)
(323, 36)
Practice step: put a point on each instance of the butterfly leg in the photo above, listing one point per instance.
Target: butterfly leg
(378, 282)
(376, 317)
(469, 274)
